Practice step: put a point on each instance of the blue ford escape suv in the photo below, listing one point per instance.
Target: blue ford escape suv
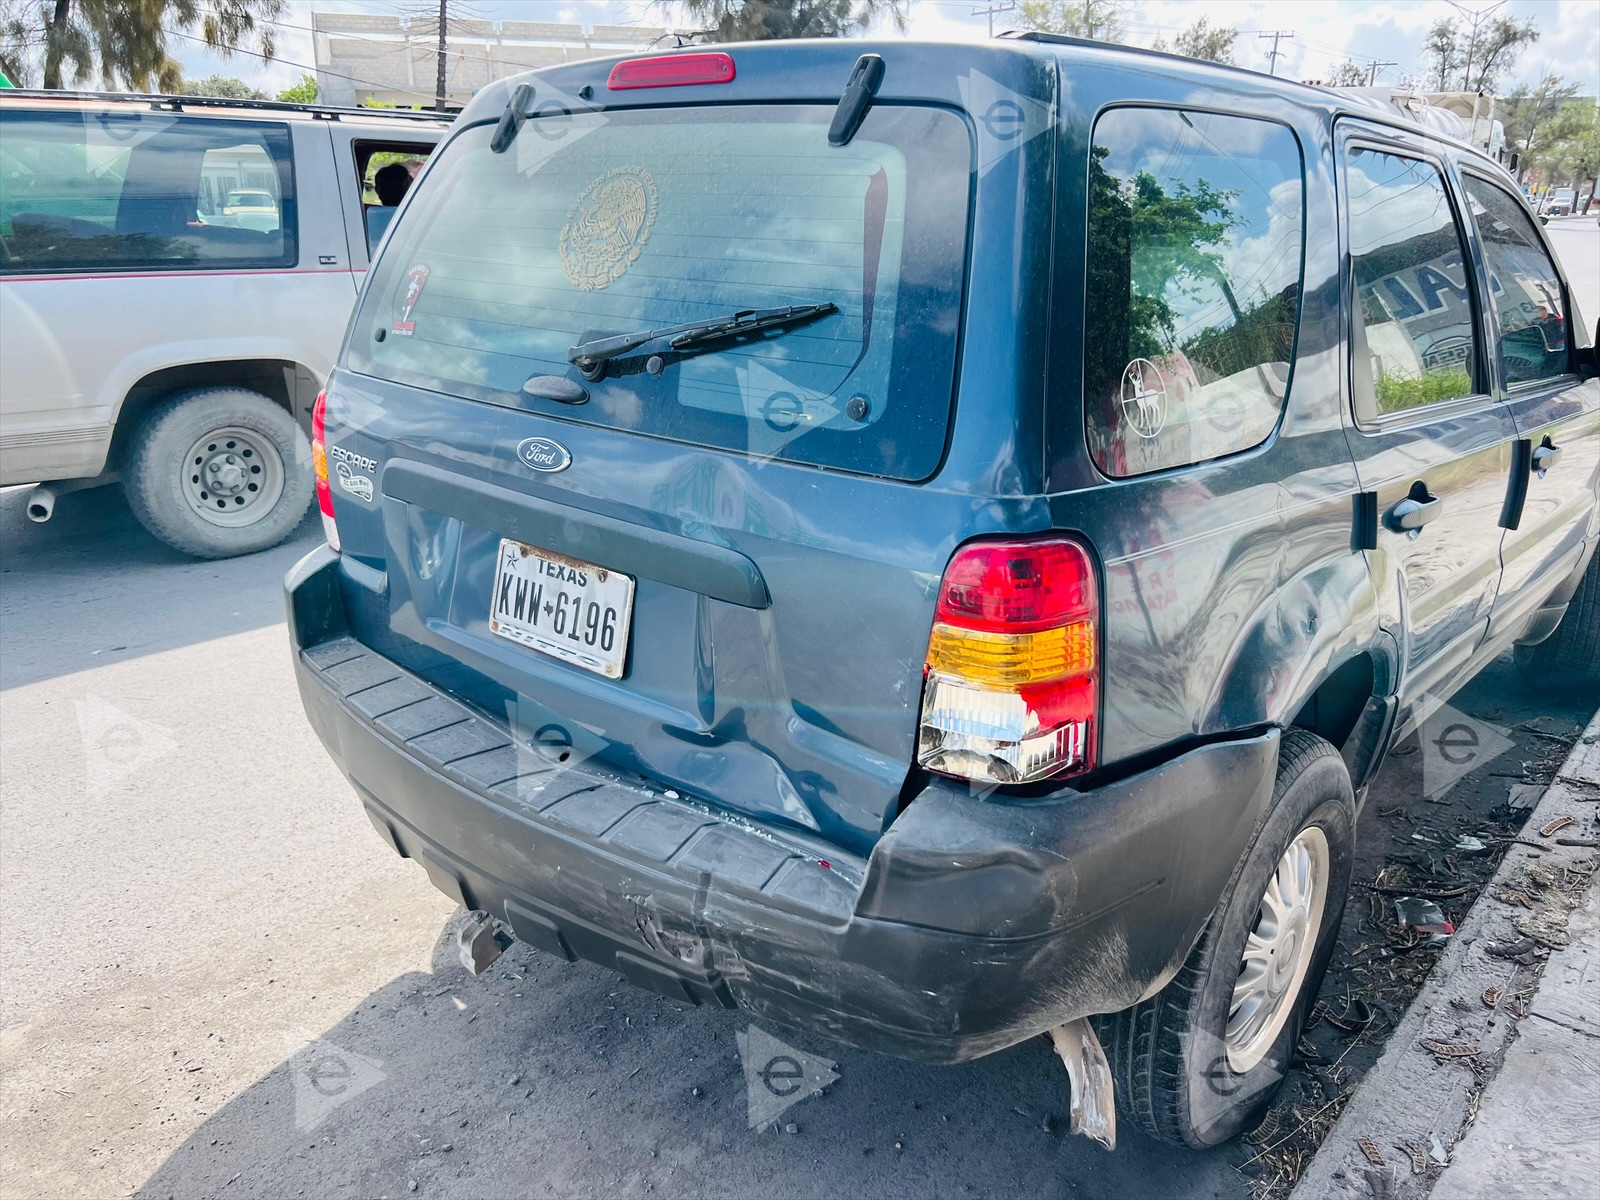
(929, 544)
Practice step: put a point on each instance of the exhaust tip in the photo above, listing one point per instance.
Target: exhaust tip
(40, 511)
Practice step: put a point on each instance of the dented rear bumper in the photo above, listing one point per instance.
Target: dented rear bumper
(975, 923)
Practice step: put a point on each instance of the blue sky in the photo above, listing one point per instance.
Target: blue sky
(1326, 31)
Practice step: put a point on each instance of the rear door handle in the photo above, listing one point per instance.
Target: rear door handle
(1415, 511)
(1545, 457)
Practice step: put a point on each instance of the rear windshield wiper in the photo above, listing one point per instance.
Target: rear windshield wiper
(697, 337)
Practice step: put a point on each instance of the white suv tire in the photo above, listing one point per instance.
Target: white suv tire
(219, 471)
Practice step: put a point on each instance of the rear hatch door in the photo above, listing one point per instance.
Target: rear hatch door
(734, 542)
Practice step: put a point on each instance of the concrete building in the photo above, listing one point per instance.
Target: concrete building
(394, 60)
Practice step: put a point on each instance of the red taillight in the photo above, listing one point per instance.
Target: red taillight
(1012, 687)
(319, 467)
(671, 70)
(1015, 587)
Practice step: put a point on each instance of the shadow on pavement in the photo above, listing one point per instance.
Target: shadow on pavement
(92, 559)
(544, 1078)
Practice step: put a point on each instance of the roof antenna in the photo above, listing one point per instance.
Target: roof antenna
(858, 93)
(511, 120)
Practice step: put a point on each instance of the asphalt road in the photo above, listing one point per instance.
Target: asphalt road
(190, 898)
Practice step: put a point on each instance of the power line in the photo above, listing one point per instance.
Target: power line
(371, 83)
(1273, 55)
(994, 9)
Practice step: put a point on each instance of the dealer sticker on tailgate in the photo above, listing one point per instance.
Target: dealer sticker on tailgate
(564, 607)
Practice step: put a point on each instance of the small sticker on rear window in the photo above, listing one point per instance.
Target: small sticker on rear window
(416, 280)
(608, 226)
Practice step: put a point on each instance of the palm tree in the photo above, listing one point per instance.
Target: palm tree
(762, 20)
(124, 42)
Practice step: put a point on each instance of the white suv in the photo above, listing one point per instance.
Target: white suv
(175, 279)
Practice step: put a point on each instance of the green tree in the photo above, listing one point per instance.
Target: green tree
(1347, 74)
(19, 41)
(124, 43)
(1203, 41)
(1444, 55)
(764, 20)
(1098, 20)
(1493, 51)
(304, 92)
(1533, 116)
(1470, 55)
(224, 86)
(1175, 234)
(1578, 154)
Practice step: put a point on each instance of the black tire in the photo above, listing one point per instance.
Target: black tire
(1169, 1056)
(247, 520)
(1569, 659)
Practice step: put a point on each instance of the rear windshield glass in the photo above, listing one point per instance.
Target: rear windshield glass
(598, 225)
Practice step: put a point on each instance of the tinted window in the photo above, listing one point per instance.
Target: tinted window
(1524, 285)
(1195, 244)
(631, 221)
(126, 189)
(1411, 286)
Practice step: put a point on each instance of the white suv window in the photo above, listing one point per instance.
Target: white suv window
(124, 190)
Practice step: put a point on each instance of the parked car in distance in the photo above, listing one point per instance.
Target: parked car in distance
(941, 563)
(250, 210)
(175, 276)
(1560, 201)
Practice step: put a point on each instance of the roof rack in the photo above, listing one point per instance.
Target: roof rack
(161, 102)
(1062, 39)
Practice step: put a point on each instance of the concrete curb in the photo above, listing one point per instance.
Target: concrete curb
(1414, 1100)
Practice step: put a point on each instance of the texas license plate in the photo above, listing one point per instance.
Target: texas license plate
(563, 607)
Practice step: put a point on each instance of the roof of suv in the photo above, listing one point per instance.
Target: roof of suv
(215, 106)
(1333, 102)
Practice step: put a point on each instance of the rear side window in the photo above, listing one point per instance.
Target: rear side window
(141, 190)
(1414, 309)
(1525, 289)
(601, 225)
(1195, 242)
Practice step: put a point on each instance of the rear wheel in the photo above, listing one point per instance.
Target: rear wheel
(216, 472)
(1569, 659)
(1200, 1061)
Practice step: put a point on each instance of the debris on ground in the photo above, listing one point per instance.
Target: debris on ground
(1448, 1050)
(1412, 912)
(1420, 866)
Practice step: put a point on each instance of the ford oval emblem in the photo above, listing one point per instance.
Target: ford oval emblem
(544, 454)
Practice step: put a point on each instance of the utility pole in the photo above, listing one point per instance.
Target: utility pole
(993, 10)
(438, 87)
(1372, 71)
(1476, 18)
(1272, 55)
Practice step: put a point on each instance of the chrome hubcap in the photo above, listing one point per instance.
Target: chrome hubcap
(232, 477)
(1278, 951)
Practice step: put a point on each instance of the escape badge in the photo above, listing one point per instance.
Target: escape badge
(607, 227)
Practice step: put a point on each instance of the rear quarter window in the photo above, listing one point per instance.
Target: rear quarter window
(1195, 242)
(609, 224)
